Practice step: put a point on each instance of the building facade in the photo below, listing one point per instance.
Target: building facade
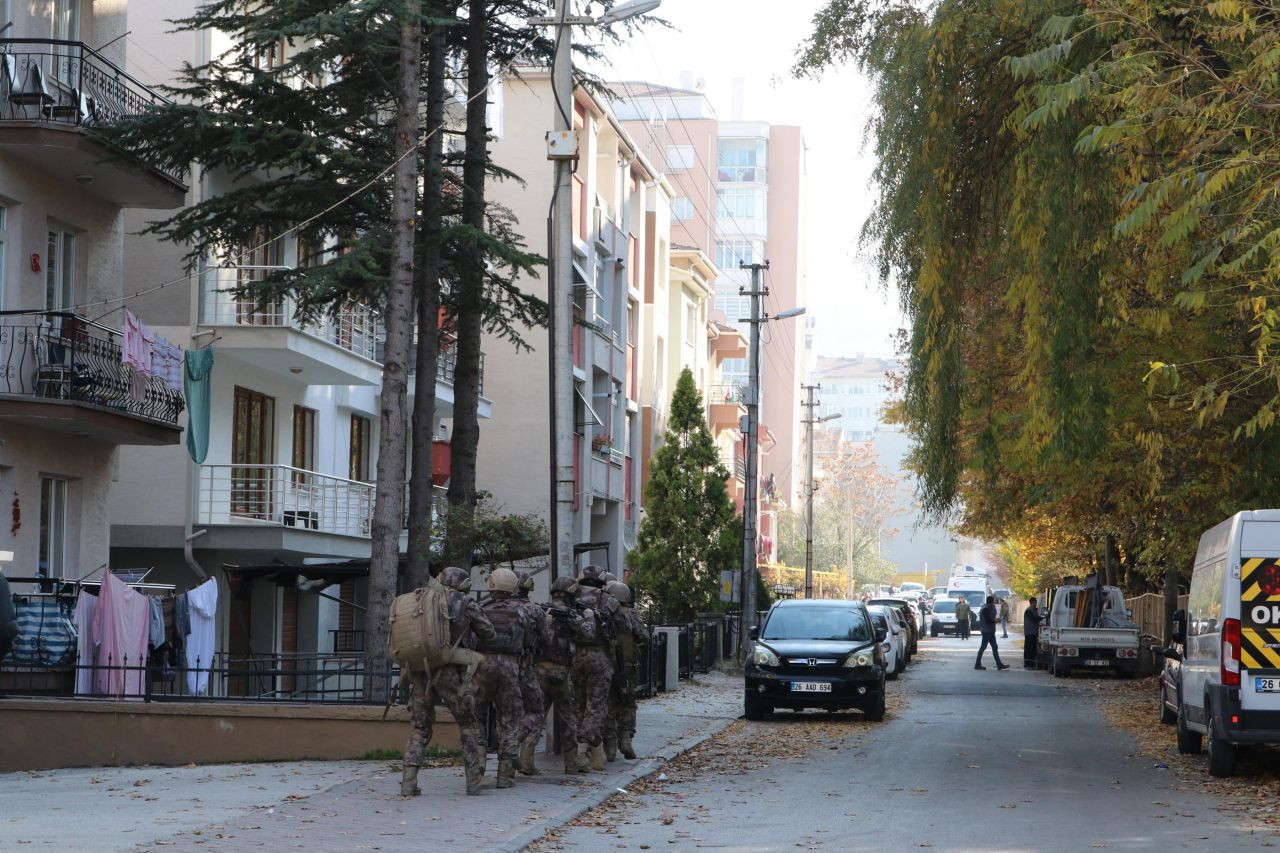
(71, 411)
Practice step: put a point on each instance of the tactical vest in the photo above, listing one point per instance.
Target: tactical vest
(508, 621)
(561, 647)
(601, 625)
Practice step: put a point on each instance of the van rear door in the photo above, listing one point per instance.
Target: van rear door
(1260, 616)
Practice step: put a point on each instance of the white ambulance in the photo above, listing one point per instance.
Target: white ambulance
(1230, 689)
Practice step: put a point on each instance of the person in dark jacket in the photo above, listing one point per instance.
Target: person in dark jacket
(988, 618)
(1030, 634)
(8, 618)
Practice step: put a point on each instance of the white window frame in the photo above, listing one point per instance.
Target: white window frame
(60, 264)
(52, 549)
(682, 209)
(680, 158)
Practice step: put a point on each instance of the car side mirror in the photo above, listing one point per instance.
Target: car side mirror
(1179, 632)
(881, 633)
(754, 633)
(1128, 613)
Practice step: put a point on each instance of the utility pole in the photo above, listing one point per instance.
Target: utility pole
(750, 500)
(809, 421)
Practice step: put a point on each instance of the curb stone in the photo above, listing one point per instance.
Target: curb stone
(609, 786)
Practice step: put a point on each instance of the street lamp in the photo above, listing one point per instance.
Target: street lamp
(562, 150)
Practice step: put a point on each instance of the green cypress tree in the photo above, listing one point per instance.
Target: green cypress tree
(690, 531)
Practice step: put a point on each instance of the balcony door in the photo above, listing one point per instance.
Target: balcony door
(66, 27)
(257, 262)
(60, 271)
(252, 454)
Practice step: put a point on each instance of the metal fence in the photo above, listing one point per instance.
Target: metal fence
(318, 678)
(57, 355)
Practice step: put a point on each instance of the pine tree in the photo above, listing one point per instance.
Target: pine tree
(690, 531)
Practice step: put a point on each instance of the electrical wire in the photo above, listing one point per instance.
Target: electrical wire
(120, 300)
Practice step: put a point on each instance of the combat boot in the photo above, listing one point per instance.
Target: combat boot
(572, 763)
(525, 762)
(611, 749)
(625, 747)
(597, 758)
(506, 773)
(475, 778)
(409, 782)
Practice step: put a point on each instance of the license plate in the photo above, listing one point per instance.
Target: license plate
(1097, 663)
(1266, 685)
(810, 687)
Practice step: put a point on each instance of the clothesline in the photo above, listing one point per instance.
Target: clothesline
(149, 354)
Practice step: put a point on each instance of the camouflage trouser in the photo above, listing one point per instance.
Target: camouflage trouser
(497, 683)
(532, 700)
(592, 676)
(557, 692)
(448, 687)
(621, 719)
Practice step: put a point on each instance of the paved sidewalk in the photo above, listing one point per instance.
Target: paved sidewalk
(337, 806)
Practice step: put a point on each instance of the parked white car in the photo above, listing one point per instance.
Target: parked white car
(896, 639)
(944, 617)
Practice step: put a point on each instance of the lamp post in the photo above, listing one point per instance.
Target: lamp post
(562, 150)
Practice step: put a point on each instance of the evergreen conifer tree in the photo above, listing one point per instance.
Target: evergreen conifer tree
(690, 531)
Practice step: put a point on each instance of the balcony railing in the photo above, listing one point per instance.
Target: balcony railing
(726, 393)
(283, 496)
(61, 356)
(356, 327)
(68, 83)
(736, 464)
(447, 364)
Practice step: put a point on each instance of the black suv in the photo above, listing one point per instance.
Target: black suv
(813, 653)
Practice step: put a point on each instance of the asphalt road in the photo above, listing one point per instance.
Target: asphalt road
(1007, 761)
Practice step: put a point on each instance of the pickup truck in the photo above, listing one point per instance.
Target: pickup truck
(1110, 641)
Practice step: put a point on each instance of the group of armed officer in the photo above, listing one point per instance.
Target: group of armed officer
(576, 653)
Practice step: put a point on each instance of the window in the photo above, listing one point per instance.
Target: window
(680, 158)
(682, 209)
(304, 440)
(690, 323)
(361, 435)
(59, 271)
(6, 12)
(66, 27)
(268, 56)
(253, 452)
(732, 253)
(53, 527)
(257, 261)
(739, 203)
(741, 160)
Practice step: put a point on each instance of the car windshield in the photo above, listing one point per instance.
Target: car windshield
(945, 605)
(816, 623)
(880, 621)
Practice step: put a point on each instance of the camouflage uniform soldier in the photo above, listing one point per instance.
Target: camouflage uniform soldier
(593, 665)
(631, 635)
(536, 640)
(466, 624)
(554, 669)
(497, 682)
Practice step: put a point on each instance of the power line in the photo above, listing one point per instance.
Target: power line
(120, 300)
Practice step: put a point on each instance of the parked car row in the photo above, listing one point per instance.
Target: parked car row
(834, 655)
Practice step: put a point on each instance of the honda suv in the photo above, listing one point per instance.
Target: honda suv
(813, 653)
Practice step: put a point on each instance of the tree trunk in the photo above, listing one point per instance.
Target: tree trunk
(428, 290)
(470, 318)
(1170, 600)
(388, 508)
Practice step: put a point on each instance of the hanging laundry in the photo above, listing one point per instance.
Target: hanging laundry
(155, 624)
(182, 616)
(121, 627)
(45, 635)
(197, 383)
(136, 349)
(86, 648)
(166, 363)
(204, 607)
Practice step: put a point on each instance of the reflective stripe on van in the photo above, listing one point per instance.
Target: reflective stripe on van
(1260, 613)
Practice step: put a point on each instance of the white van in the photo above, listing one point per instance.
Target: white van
(1230, 688)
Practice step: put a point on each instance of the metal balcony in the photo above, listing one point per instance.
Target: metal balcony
(63, 372)
(53, 95)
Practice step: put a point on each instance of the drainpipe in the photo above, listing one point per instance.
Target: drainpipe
(188, 534)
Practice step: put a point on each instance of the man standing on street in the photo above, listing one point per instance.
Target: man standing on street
(1004, 618)
(987, 625)
(1030, 635)
(962, 619)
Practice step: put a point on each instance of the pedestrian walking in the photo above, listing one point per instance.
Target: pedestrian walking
(963, 612)
(1030, 635)
(1004, 618)
(497, 682)
(987, 617)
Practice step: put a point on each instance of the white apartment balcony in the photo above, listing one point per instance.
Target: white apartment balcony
(608, 474)
(328, 350)
(727, 403)
(281, 508)
(446, 368)
(53, 94)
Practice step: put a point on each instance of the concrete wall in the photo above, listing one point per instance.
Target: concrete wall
(47, 734)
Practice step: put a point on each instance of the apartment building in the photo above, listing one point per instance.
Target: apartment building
(280, 509)
(621, 248)
(71, 412)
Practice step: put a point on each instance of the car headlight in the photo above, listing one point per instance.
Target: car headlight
(860, 658)
(764, 656)
(886, 646)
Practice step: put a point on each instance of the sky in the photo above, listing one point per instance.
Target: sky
(721, 40)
